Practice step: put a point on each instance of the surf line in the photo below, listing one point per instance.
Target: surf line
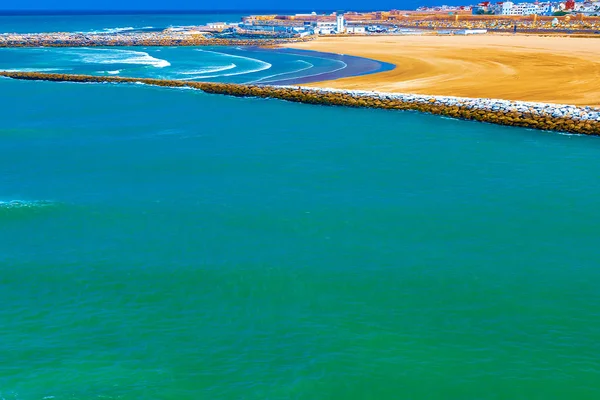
(263, 65)
(284, 73)
(309, 76)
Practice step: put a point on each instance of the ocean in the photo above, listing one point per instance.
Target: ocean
(23, 22)
(206, 64)
(160, 243)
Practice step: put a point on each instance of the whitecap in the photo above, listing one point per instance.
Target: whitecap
(117, 30)
(261, 65)
(209, 69)
(110, 30)
(344, 65)
(264, 79)
(115, 56)
(34, 69)
(17, 204)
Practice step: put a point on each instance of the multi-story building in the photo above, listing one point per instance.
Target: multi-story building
(355, 29)
(510, 8)
(340, 23)
(587, 7)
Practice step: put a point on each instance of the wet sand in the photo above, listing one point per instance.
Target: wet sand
(348, 66)
(529, 68)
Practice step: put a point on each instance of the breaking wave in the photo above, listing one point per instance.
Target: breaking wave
(113, 56)
(268, 79)
(113, 30)
(209, 69)
(35, 69)
(23, 204)
(117, 30)
(260, 65)
(343, 66)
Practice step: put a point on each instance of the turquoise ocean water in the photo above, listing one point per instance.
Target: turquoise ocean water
(216, 64)
(167, 244)
(108, 22)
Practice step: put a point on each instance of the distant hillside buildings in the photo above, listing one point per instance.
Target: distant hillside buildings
(538, 8)
(308, 24)
(591, 8)
(442, 19)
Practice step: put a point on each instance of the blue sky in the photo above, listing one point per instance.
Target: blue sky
(211, 4)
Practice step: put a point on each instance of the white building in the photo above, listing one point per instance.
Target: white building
(341, 24)
(355, 29)
(510, 8)
(526, 8)
(544, 8)
(216, 25)
(589, 8)
(326, 28)
(506, 8)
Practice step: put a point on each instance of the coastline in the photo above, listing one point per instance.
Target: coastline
(541, 116)
(352, 65)
(560, 70)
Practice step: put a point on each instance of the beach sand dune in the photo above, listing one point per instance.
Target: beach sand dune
(514, 67)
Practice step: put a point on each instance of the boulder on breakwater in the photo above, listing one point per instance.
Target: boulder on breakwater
(564, 118)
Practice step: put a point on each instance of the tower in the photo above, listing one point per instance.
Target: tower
(341, 26)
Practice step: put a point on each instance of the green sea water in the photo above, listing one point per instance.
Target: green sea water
(167, 244)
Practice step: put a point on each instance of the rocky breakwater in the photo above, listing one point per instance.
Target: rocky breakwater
(58, 39)
(556, 117)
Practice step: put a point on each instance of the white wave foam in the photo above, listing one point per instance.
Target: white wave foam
(263, 79)
(261, 65)
(115, 72)
(35, 69)
(110, 30)
(344, 65)
(117, 30)
(209, 69)
(114, 56)
(14, 204)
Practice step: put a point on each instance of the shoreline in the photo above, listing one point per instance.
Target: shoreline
(541, 116)
(353, 65)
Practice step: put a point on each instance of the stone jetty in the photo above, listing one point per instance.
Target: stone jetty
(163, 38)
(544, 116)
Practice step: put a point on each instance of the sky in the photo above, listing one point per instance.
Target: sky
(245, 5)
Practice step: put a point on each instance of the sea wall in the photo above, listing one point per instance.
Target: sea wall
(556, 117)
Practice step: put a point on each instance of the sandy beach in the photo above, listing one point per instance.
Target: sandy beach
(529, 68)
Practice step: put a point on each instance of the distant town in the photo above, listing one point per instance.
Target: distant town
(566, 17)
(590, 8)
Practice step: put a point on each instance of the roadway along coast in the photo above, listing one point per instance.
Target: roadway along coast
(565, 118)
(563, 70)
